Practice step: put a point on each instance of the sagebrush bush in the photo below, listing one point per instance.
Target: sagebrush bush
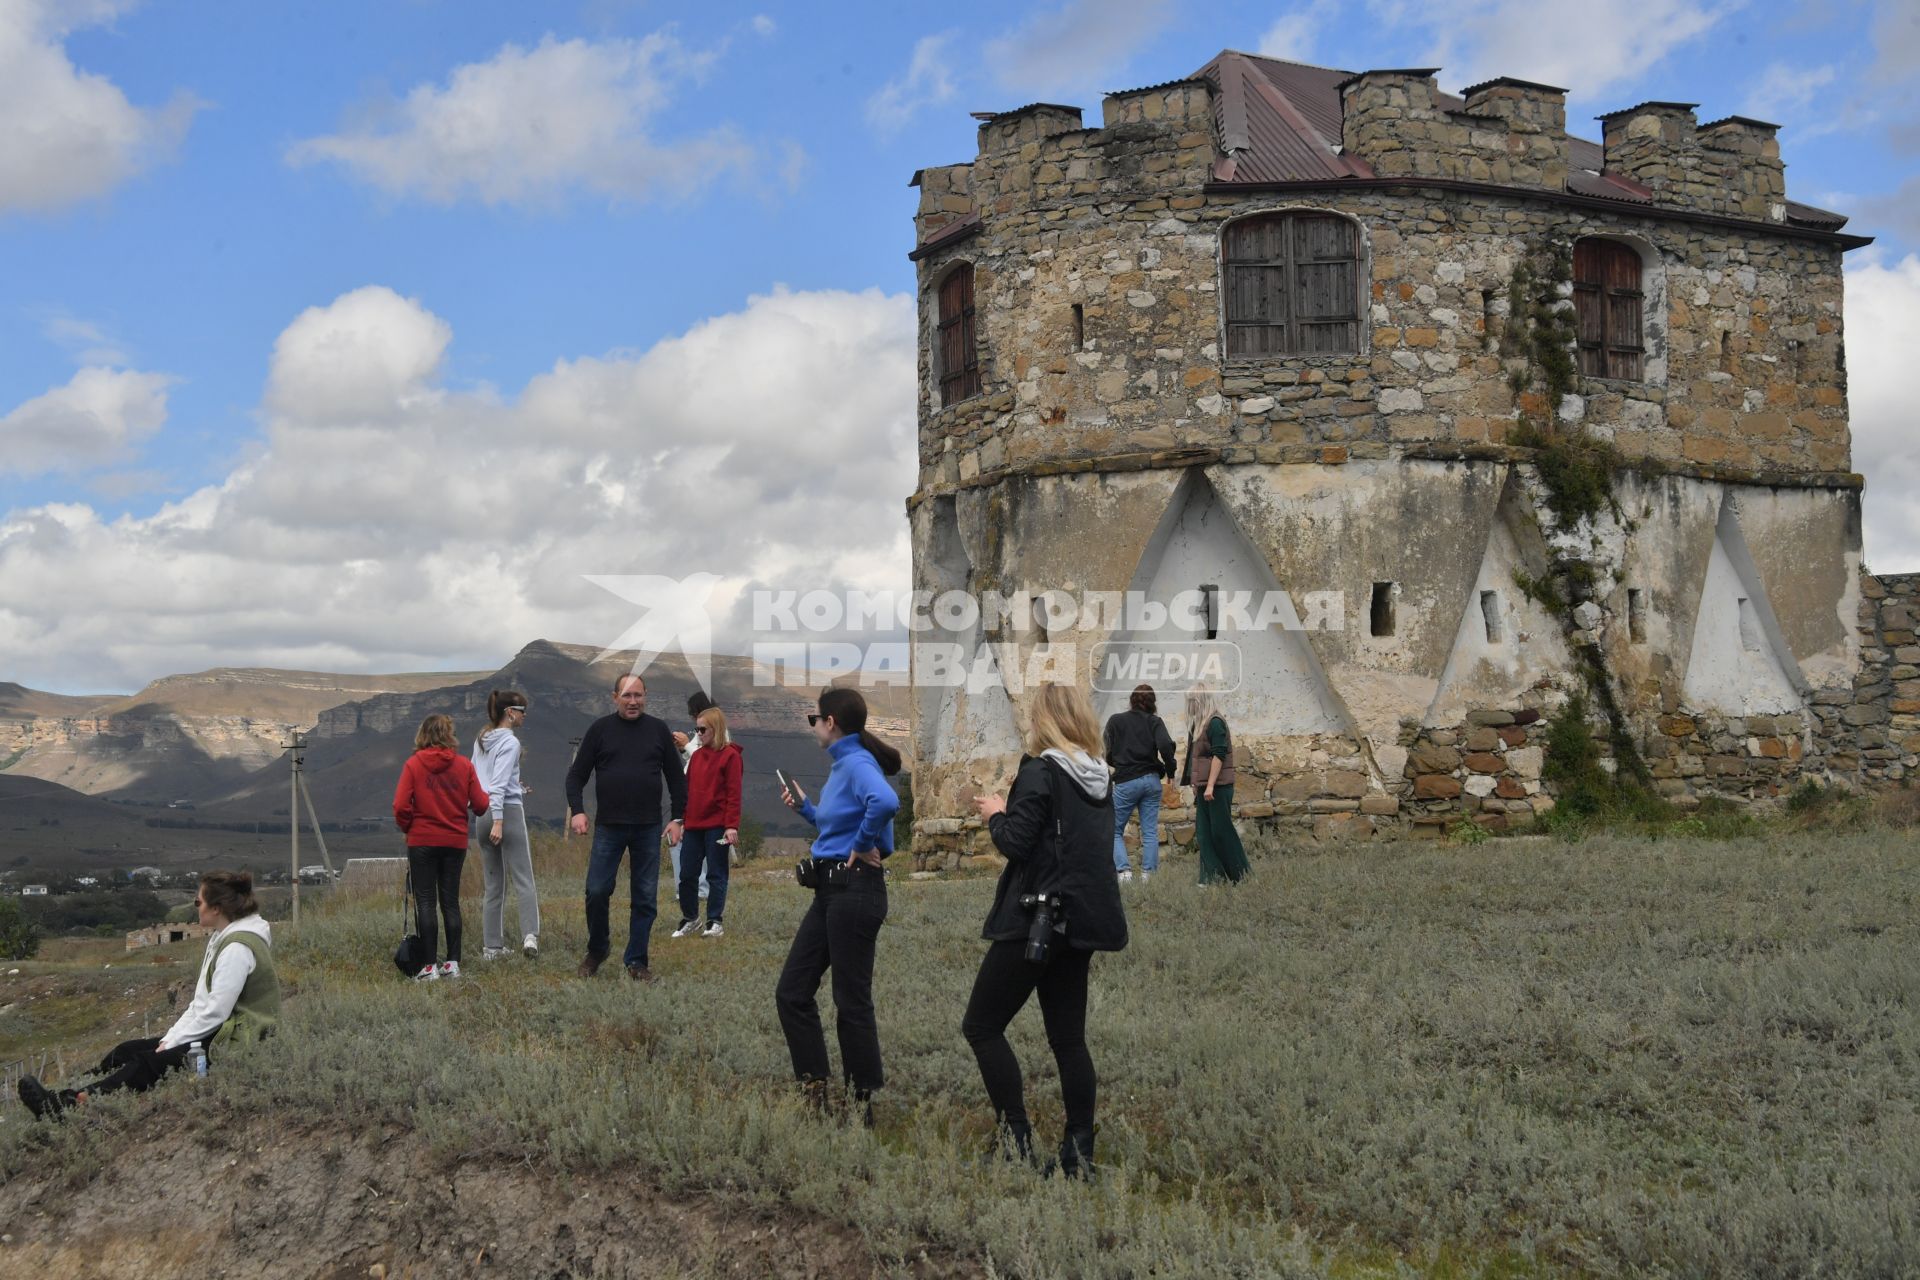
(1620, 1056)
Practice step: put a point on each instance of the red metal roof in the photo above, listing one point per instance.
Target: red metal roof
(1279, 121)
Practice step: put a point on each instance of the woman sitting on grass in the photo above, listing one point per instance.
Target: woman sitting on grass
(236, 1000)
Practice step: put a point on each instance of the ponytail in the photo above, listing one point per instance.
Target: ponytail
(849, 712)
(499, 702)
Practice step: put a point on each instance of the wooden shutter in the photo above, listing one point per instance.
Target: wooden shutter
(1609, 305)
(959, 358)
(1326, 295)
(1292, 286)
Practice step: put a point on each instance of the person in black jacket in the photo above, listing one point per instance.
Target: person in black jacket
(1141, 752)
(629, 754)
(1056, 830)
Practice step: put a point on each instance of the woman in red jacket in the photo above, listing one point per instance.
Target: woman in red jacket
(437, 790)
(712, 825)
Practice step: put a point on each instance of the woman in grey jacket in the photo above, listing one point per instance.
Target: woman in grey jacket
(504, 849)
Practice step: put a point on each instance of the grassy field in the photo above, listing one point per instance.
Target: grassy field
(1615, 1056)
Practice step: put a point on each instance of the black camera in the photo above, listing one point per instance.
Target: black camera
(1046, 908)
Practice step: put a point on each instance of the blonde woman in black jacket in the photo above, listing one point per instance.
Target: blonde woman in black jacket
(1056, 830)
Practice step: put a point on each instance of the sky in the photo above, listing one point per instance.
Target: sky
(359, 335)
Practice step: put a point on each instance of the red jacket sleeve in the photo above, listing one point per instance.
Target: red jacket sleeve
(730, 790)
(403, 797)
(477, 798)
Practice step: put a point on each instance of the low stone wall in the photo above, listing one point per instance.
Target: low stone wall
(1877, 733)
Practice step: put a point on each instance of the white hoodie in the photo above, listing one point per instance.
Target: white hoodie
(214, 994)
(1092, 775)
(496, 759)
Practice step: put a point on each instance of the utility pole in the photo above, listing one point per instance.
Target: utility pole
(297, 795)
(566, 826)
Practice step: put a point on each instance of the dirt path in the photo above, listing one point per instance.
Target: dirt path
(332, 1206)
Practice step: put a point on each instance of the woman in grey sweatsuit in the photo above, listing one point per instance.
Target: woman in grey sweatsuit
(504, 850)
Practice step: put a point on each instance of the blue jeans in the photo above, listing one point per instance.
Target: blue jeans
(1142, 793)
(703, 857)
(611, 841)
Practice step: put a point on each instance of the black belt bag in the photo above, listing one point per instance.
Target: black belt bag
(814, 873)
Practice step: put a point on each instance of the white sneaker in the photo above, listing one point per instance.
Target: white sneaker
(494, 953)
(713, 930)
(450, 969)
(1145, 876)
(529, 946)
(1126, 877)
(429, 974)
(687, 929)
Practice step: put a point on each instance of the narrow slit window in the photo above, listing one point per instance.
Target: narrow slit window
(1636, 615)
(1079, 327)
(1490, 615)
(1380, 611)
(1749, 626)
(1210, 610)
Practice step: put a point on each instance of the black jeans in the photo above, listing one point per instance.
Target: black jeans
(839, 932)
(436, 879)
(137, 1065)
(1000, 991)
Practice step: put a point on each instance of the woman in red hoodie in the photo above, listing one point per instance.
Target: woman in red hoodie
(437, 790)
(712, 825)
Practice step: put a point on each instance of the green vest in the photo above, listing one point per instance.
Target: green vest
(257, 1011)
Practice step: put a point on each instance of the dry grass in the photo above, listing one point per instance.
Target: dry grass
(1614, 1057)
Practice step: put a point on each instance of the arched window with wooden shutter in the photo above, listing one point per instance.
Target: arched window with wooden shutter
(1292, 285)
(1608, 301)
(959, 358)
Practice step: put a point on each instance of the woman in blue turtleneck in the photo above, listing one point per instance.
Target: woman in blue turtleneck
(854, 819)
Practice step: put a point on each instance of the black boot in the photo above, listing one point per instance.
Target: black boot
(44, 1102)
(863, 1107)
(1013, 1143)
(816, 1096)
(1076, 1155)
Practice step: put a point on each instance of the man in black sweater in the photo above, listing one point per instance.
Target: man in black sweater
(628, 753)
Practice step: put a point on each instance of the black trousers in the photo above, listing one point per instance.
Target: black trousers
(839, 932)
(137, 1065)
(1000, 991)
(436, 880)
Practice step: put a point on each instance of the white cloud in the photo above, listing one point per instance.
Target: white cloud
(1066, 52)
(764, 26)
(88, 343)
(533, 126)
(1784, 92)
(388, 521)
(1883, 332)
(70, 135)
(1295, 34)
(926, 82)
(95, 419)
(1589, 46)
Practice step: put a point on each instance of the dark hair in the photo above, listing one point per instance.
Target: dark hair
(849, 712)
(501, 701)
(698, 701)
(1142, 699)
(229, 892)
(625, 676)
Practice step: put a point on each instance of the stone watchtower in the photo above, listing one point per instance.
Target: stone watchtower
(1508, 415)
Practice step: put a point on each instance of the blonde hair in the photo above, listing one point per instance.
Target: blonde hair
(1063, 718)
(718, 719)
(436, 731)
(1203, 704)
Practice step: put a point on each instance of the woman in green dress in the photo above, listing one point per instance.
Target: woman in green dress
(1209, 768)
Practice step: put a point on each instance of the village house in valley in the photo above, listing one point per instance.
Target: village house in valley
(1524, 415)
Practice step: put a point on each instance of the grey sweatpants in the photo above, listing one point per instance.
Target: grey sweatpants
(511, 858)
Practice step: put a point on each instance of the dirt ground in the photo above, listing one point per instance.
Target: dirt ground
(330, 1205)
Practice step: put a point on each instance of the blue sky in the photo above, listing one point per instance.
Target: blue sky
(722, 193)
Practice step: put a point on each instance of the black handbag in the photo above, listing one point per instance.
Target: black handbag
(408, 956)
